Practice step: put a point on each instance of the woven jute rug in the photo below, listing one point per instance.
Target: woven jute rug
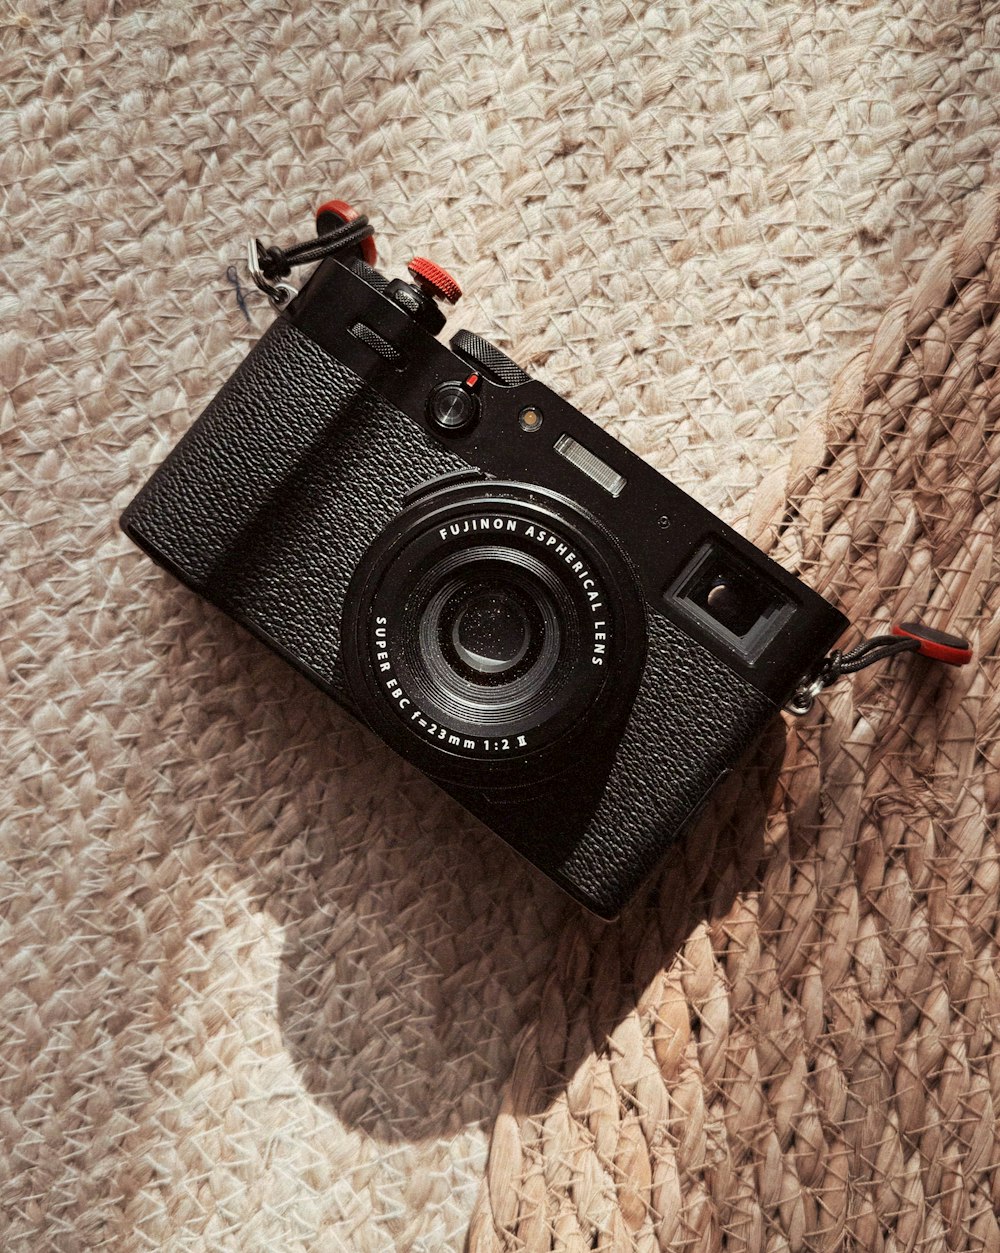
(264, 987)
(806, 1057)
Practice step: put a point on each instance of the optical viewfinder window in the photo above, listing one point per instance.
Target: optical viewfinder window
(732, 597)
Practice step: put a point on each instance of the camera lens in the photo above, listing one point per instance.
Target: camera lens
(489, 623)
(489, 637)
(490, 633)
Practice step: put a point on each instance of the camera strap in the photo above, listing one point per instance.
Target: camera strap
(270, 265)
(906, 637)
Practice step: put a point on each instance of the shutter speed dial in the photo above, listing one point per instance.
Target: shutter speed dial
(453, 407)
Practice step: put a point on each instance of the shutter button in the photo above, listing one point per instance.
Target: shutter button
(434, 280)
(453, 407)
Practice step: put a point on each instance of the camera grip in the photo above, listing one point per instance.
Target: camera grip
(268, 502)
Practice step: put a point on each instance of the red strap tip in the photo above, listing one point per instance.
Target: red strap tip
(341, 210)
(953, 650)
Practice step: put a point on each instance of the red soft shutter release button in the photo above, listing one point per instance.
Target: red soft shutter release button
(435, 281)
(342, 210)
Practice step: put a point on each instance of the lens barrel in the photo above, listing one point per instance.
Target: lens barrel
(487, 625)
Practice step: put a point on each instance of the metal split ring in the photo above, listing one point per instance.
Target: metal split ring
(805, 695)
(279, 293)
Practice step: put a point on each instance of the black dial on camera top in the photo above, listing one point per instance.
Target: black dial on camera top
(488, 359)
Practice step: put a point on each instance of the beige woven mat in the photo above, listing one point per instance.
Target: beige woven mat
(263, 985)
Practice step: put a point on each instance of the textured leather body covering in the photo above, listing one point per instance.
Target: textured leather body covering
(691, 721)
(266, 506)
(267, 503)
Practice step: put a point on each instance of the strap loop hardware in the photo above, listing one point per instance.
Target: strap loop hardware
(911, 637)
(278, 293)
(268, 267)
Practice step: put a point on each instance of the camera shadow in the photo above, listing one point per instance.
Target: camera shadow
(418, 948)
(602, 973)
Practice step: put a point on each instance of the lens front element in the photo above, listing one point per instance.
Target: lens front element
(490, 634)
(496, 635)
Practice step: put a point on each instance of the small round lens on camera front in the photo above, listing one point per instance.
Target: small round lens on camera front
(491, 633)
(486, 625)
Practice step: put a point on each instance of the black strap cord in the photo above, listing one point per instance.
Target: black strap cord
(878, 648)
(867, 653)
(276, 263)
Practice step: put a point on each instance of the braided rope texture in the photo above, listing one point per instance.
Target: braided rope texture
(805, 1055)
(263, 984)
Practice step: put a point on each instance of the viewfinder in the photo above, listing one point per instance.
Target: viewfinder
(734, 599)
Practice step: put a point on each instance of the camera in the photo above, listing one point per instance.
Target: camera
(570, 645)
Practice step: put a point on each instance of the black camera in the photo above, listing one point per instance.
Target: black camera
(566, 642)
